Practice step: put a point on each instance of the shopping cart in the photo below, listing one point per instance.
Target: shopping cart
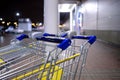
(4, 51)
(75, 46)
(78, 43)
(17, 53)
(43, 58)
(61, 63)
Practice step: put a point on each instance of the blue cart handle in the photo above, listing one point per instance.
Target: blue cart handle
(47, 34)
(91, 39)
(22, 36)
(63, 43)
(55, 35)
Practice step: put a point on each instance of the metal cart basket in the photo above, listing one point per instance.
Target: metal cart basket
(55, 59)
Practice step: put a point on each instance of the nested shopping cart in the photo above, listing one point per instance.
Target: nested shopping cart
(80, 44)
(18, 53)
(63, 61)
(41, 57)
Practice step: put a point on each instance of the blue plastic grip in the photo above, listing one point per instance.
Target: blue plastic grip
(91, 39)
(55, 40)
(54, 35)
(47, 34)
(80, 37)
(22, 36)
(64, 44)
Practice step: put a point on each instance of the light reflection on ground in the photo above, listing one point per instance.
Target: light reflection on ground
(1, 39)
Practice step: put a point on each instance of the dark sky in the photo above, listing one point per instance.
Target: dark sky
(32, 9)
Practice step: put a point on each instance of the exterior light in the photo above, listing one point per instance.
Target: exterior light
(3, 22)
(8, 23)
(66, 7)
(1, 19)
(40, 24)
(15, 23)
(27, 20)
(60, 26)
(33, 24)
(64, 25)
(17, 14)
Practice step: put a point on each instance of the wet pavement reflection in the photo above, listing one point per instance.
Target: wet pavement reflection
(6, 38)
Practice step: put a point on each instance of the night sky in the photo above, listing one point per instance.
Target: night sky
(32, 9)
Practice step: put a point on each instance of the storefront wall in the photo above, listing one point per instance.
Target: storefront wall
(101, 18)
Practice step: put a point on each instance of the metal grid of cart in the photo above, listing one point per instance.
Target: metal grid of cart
(50, 58)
